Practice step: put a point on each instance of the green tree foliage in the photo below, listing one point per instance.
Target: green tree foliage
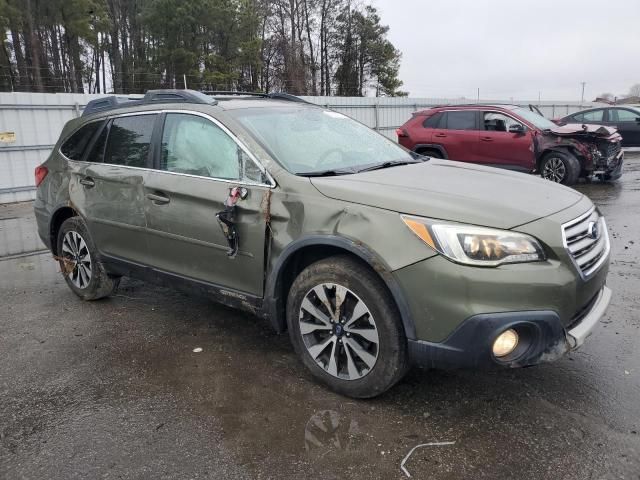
(312, 47)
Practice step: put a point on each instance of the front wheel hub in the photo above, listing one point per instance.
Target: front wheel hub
(339, 331)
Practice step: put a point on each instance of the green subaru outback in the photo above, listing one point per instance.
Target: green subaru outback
(372, 257)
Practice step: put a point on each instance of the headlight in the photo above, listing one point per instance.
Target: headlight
(473, 245)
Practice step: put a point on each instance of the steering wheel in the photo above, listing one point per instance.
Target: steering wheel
(323, 159)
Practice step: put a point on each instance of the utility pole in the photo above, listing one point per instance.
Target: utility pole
(539, 94)
(478, 95)
(184, 78)
(582, 97)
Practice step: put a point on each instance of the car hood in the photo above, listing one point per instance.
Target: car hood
(571, 129)
(453, 191)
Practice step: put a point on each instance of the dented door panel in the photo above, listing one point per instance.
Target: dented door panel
(185, 237)
(109, 197)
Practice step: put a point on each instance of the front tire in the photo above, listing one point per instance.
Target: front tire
(78, 257)
(346, 328)
(560, 167)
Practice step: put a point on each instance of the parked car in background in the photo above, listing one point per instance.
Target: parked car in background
(371, 256)
(624, 118)
(515, 138)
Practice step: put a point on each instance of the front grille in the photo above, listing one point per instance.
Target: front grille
(587, 241)
(610, 150)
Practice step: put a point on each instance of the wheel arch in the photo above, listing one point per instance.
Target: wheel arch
(561, 148)
(301, 253)
(58, 217)
(431, 146)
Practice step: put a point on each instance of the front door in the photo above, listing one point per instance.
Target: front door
(499, 147)
(197, 164)
(109, 187)
(627, 122)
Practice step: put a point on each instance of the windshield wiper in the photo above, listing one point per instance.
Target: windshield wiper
(326, 173)
(395, 163)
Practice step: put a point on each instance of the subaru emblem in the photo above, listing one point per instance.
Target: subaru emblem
(592, 230)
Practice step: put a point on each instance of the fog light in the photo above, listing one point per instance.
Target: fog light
(506, 343)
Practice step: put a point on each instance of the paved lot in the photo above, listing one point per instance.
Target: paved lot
(113, 389)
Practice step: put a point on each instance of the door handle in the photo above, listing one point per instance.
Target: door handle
(87, 182)
(486, 139)
(158, 199)
(440, 135)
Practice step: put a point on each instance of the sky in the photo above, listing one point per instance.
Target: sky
(515, 49)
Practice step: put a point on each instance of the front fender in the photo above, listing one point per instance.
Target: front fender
(273, 302)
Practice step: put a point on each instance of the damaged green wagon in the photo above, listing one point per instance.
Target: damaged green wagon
(372, 257)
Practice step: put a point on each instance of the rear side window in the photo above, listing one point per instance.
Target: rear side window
(461, 120)
(129, 140)
(432, 121)
(77, 143)
(96, 154)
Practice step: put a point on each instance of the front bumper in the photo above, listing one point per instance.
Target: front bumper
(543, 338)
(611, 169)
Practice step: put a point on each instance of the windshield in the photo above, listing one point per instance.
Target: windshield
(537, 120)
(311, 140)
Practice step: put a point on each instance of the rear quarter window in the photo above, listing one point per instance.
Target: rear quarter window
(75, 146)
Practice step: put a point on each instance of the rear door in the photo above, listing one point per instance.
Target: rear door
(457, 132)
(108, 190)
(197, 164)
(499, 147)
(627, 121)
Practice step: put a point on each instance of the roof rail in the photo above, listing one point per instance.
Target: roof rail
(273, 95)
(152, 96)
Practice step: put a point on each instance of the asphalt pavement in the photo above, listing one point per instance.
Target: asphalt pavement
(114, 388)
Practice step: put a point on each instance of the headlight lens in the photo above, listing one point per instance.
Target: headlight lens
(473, 245)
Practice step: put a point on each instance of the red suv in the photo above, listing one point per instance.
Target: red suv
(516, 138)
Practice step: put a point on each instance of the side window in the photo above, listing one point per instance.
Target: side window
(498, 122)
(74, 147)
(432, 121)
(578, 117)
(97, 151)
(129, 140)
(622, 115)
(195, 145)
(461, 120)
(593, 116)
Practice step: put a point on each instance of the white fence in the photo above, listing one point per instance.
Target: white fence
(37, 119)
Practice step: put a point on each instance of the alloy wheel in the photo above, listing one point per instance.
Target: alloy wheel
(554, 170)
(339, 331)
(76, 259)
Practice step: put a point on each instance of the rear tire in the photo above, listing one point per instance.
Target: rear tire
(560, 167)
(346, 328)
(79, 262)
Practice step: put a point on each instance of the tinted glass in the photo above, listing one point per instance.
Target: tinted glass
(594, 116)
(578, 117)
(196, 146)
(74, 147)
(534, 118)
(462, 120)
(309, 139)
(129, 139)
(622, 115)
(97, 151)
(432, 121)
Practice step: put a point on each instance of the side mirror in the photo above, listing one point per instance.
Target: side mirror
(516, 128)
